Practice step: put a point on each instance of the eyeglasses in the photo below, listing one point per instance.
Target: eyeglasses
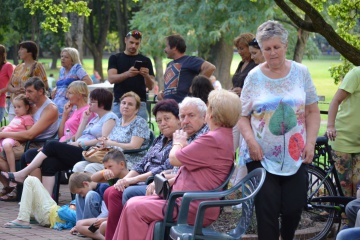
(135, 34)
(165, 119)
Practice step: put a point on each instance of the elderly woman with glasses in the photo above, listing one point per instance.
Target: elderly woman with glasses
(280, 124)
(204, 165)
(155, 161)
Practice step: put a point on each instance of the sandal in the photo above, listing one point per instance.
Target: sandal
(10, 177)
(6, 190)
(10, 197)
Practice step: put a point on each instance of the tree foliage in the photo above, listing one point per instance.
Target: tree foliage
(203, 24)
(53, 11)
(341, 30)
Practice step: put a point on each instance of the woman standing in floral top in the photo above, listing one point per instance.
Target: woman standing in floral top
(280, 124)
(70, 71)
(28, 52)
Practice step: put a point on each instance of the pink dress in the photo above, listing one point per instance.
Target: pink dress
(18, 124)
(206, 163)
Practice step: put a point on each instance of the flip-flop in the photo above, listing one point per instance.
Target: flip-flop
(13, 224)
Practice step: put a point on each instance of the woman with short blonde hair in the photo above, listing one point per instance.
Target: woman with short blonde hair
(71, 70)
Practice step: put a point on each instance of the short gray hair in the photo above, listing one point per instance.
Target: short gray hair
(271, 29)
(194, 101)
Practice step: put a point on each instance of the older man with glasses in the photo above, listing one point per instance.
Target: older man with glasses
(131, 71)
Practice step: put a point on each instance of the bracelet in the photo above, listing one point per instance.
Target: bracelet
(177, 143)
(103, 172)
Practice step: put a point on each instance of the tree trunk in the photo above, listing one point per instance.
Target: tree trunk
(121, 21)
(75, 37)
(14, 54)
(54, 58)
(302, 39)
(96, 29)
(159, 76)
(221, 55)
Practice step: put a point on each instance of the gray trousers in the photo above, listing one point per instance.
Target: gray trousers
(352, 211)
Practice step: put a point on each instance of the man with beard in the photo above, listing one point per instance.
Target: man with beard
(128, 76)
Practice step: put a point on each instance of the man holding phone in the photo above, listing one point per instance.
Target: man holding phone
(131, 71)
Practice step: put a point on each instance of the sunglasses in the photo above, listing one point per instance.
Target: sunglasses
(254, 43)
(135, 34)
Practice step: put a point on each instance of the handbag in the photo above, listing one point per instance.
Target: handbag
(162, 186)
(95, 154)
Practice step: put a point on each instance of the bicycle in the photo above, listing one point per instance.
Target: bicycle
(325, 198)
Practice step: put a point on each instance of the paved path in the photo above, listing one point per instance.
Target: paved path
(9, 211)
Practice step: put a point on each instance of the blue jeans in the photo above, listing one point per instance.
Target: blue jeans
(88, 207)
(142, 111)
(349, 234)
(133, 191)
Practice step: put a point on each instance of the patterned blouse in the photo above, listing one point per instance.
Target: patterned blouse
(277, 111)
(22, 74)
(76, 73)
(123, 134)
(156, 159)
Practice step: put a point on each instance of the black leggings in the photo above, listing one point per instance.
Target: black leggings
(281, 197)
(60, 156)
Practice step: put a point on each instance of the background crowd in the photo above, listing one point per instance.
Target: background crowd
(270, 117)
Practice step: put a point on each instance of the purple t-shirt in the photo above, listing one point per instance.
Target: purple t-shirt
(179, 75)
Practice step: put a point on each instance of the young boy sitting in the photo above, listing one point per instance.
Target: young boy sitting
(115, 168)
(89, 196)
(36, 200)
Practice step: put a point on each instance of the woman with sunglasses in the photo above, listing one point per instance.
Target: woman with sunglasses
(255, 51)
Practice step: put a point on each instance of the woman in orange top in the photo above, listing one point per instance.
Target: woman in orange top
(28, 51)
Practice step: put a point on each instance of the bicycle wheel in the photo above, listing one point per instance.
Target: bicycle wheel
(318, 216)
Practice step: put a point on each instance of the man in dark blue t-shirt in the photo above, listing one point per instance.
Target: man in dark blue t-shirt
(127, 77)
(181, 71)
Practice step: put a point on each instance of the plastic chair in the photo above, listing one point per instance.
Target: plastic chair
(250, 186)
(162, 228)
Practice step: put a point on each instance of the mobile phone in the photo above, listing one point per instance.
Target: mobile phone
(138, 64)
(92, 228)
